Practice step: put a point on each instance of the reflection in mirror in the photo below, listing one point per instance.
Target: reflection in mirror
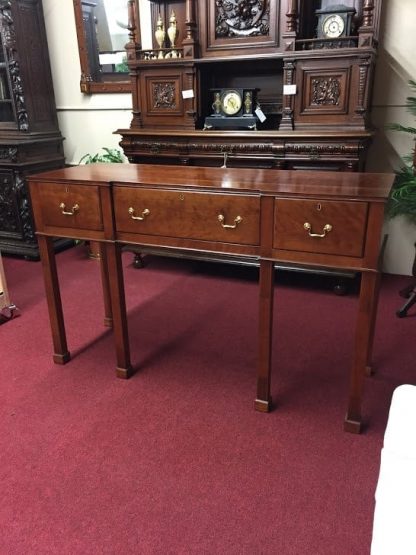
(102, 30)
(112, 35)
(146, 32)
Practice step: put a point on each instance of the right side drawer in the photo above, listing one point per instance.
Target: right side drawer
(320, 226)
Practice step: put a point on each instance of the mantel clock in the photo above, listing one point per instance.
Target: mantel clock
(233, 108)
(334, 22)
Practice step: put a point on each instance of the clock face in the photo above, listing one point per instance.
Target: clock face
(333, 26)
(231, 103)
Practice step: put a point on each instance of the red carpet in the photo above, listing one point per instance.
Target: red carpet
(175, 460)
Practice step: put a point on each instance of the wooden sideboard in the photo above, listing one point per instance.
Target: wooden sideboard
(320, 219)
(314, 90)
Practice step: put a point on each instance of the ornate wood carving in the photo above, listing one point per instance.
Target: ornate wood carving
(362, 85)
(21, 194)
(242, 18)
(320, 149)
(325, 91)
(164, 95)
(8, 32)
(156, 147)
(9, 154)
(8, 221)
(15, 212)
(30, 137)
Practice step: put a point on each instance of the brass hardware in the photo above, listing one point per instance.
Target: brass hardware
(319, 206)
(327, 228)
(221, 219)
(181, 196)
(145, 213)
(71, 212)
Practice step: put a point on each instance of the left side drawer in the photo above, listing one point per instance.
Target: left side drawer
(70, 206)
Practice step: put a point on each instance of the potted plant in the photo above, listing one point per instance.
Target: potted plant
(402, 199)
(110, 155)
(403, 196)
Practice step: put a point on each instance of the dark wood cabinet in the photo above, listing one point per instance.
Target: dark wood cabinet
(313, 89)
(30, 140)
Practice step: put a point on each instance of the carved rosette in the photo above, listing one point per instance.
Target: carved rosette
(326, 91)
(242, 18)
(164, 95)
(9, 43)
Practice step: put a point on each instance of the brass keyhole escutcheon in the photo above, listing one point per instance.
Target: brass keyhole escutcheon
(319, 206)
(181, 196)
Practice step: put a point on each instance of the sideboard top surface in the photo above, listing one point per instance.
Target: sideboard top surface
(374, 186)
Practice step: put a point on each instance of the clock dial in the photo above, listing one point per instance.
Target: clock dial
(231, 103)
(333, 26)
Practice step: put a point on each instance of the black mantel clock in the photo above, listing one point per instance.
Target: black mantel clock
(233, 108)
(334, 22)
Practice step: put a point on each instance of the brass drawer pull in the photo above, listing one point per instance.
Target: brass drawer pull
(145, 213)
(71, 212)
(308, 227)
(221, 219)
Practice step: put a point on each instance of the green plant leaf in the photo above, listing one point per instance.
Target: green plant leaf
(402, 199)
(110, 155)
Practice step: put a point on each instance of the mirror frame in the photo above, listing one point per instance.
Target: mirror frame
(115, 84)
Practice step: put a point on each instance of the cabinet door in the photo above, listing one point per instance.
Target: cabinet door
(238, 27)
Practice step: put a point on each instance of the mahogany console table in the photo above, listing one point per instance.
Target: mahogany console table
(322, 219)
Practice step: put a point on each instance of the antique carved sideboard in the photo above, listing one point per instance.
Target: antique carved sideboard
(322, 219)
(311, 80)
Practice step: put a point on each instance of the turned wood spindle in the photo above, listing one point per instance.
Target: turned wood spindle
(291, 16)
(368, 12)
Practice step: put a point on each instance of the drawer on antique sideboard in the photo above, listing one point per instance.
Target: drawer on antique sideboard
(320, 226)
(204, 216)
(70, 206)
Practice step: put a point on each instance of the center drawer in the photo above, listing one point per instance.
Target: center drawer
(182, 214)
(326, 227)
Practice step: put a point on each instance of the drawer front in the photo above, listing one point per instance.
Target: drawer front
(204, 216)
(73, 206)
(327, 227)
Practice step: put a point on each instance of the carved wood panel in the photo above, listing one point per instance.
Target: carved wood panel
(325, 92)
(238, 26)
(161, 97)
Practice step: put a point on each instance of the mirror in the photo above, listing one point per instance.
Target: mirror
(102, 31)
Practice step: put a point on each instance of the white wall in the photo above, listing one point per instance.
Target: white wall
(88, 121)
